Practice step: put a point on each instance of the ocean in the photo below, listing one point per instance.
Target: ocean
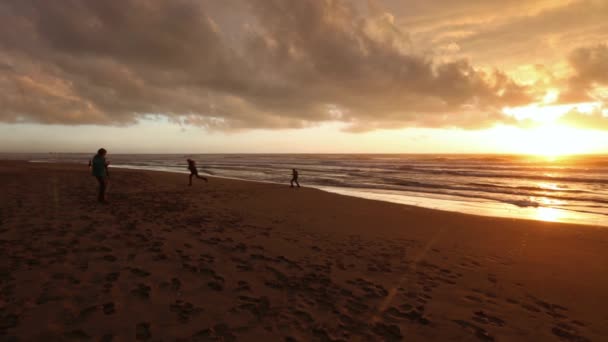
(562, 189)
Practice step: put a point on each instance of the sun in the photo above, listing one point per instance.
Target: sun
(550, 140)
(543, 135)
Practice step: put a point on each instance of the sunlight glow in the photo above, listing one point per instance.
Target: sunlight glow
(543, 113)
(541, 134)
(548, 140)
(551, 96)
(549, 186)
(552, 140)
(548, 214)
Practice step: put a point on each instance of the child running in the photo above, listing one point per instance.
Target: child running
(194, 171)
(294, 177)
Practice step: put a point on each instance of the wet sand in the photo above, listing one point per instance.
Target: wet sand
(232, 260)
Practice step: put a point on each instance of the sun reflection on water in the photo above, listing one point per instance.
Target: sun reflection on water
(545, 211)
(548, 214)
(549, 186)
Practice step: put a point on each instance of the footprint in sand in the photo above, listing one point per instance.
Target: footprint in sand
(112, 276)
(554, 310)
(45, 297)
(474, 299)
(530, 307)
(160, 257)
(388, 332)
(109, 258)
(107, 338)
(142, 331)
(207, 271)
(206, 258)
(107, 287)
(139, 272)
(303, 316)
(484, 318)
(370, 289)
(214, 285)
(258, 307)
(415, 315)
(356, 307)
(142, 291)
(176, 284)
(184, 310)
(243, 286)
(240, 247)
(8, 321)
(189, 267)
(478, 331)
(579, 323)
(568, 333)
(77, 335)
(220, 332)
(109, 309)
(86, 312)
(244, 267)
(322, 335)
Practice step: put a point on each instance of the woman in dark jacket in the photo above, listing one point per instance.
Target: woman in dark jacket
(99, 169)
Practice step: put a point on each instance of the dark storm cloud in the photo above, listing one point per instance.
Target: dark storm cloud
(272, 64)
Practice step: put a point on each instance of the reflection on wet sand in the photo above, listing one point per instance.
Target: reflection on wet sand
(543, 211)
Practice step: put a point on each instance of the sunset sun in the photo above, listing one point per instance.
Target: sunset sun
(553, 140)
(548, 140)
(541, 130)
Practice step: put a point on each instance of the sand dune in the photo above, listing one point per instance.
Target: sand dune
(231, 260)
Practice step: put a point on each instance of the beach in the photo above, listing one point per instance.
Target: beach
(234, 260)
(568, 189)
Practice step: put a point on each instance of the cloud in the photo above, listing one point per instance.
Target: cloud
(596, 120)
(236, 65)
(591, 64)
(506, 33)
(590, 71)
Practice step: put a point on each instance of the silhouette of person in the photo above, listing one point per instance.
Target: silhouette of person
(194, 171)
(294, 177)
(99, 168)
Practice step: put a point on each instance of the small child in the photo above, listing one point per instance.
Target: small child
(294, 177)
(194, 171)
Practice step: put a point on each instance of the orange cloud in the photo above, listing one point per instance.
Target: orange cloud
(255, 64)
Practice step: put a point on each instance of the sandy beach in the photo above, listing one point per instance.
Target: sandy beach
(233, 260)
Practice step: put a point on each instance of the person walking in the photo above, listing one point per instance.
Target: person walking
(99, 169)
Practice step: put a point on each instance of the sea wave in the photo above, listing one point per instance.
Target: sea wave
(575, 184)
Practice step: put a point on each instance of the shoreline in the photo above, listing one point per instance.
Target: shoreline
(277, 185)
(236, 260)
(494, 209)
(537, 208)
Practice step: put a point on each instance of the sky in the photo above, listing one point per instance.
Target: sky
(306, 76)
